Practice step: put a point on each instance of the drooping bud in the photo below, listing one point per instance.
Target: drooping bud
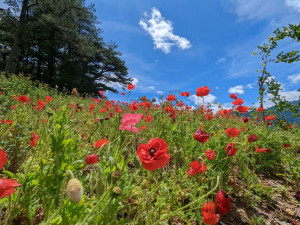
(74, 190)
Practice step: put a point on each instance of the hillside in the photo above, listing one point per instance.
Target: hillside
(69, 159)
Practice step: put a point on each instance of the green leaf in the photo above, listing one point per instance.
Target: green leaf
(10, 174)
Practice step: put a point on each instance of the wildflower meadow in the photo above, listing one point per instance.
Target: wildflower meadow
(69, 158)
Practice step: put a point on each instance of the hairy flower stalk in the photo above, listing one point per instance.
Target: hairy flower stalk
(188, 205)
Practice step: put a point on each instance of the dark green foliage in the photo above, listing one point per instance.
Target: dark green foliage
(58, 43)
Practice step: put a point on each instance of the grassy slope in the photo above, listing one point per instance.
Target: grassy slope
(147, 196)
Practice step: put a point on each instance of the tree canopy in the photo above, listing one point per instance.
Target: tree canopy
(58, 42)
(267, 83)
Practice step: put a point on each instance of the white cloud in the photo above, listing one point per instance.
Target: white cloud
(221, 60)
(161, 31)
(294, 79)
(160, 92)
(239, 89)
(255, 9)
(151, 88)
(217, 88)
(290, 95)
(199, 101)
(3, 5)
(295, 4)
(134, 81)
(250, 86)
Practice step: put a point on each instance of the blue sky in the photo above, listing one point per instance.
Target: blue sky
(183, 45)
(172, 45)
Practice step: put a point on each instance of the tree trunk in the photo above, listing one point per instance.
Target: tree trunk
(13, 59)
(261, 82)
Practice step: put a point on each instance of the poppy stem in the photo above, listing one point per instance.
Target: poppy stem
(188, 205)
(8, 210)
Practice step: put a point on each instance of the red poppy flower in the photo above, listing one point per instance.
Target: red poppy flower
(9, 122)
(103, 110)
(202, 91)
(271, 117)
(14, 106)
(186, 94)
(33, 140)
(7, 187)
(223, 202)
(91, 107)
(148, 118)
(210, 154)
(3, 158)
(0, 93)
(133, 106)
(129, 120)
(143, 127)
(201, 136)
(230, 149)
(48, 99)
(171, 98)
(246, 120)
(153, 155)
(260, 109)
(91, 159)
(242, 109)
(101, 93)
(208, 213)
(180, 104)
(23, 98)
(45, 121)
(286, 145)
(100, 143)
(232, 132)
(252, 138)
(233, 96)
(130, 86)
(264, 150)
(197, 168)
(122, 93)
(238, 101)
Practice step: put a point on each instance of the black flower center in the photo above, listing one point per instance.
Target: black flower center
(152, 151)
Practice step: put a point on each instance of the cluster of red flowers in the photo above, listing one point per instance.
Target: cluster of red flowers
(7, 186)
(208, 209)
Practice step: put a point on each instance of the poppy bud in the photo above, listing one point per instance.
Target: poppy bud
(223, 202)
(116, 176)
(74, 190)
(117, 190)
